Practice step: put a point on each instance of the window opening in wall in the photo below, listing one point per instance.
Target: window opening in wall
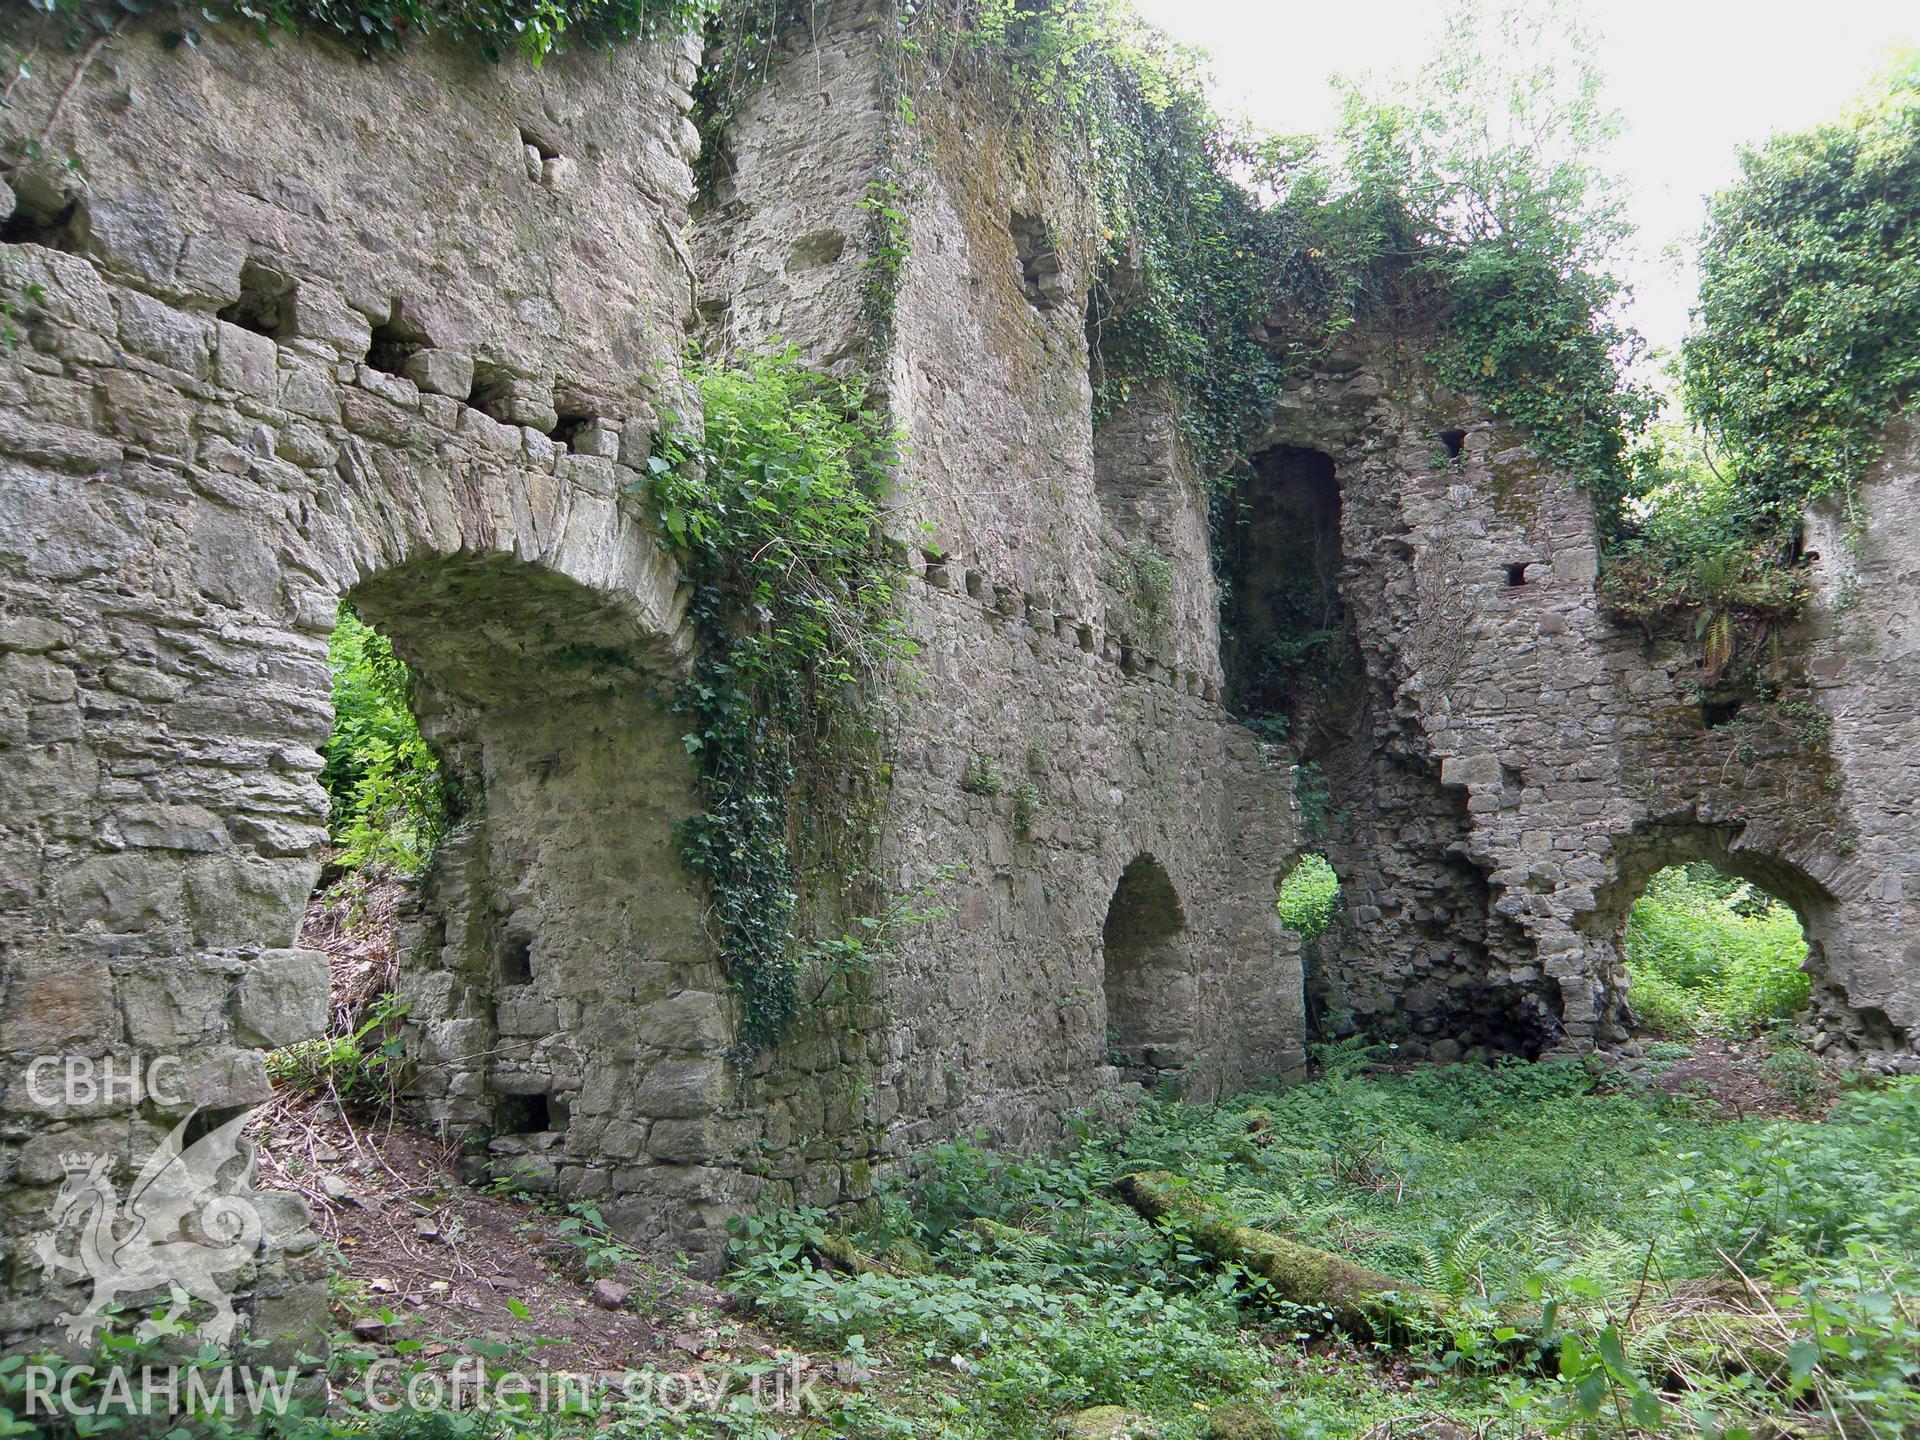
(1517, 574)
(1455, 441)
(1716, 713)
(1708, 953)
(262, 306)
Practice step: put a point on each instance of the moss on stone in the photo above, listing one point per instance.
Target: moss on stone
(1240, 1422)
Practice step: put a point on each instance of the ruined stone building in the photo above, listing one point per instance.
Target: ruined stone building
(294, 327)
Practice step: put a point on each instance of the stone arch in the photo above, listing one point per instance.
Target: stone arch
(1151, 985)
(564, 1001)
(1744, 852)
(565, 1004)
(173, 572)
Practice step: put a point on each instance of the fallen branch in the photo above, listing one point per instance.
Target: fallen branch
(1363, 1302)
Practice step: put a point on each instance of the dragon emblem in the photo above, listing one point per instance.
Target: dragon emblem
(179, 1229)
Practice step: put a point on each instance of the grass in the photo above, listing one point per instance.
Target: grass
(1708, 953)
(1617, 1261)
(1684, 1275)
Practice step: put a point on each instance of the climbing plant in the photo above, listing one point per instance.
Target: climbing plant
(774, 498)
(496, 28)
(1803, 343)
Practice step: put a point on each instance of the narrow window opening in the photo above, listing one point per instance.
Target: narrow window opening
(262, 306)
(1517, 574)
(1455, 442)
(1040, 274)
(516, 963)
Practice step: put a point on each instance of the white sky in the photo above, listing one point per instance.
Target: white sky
(1694, 78)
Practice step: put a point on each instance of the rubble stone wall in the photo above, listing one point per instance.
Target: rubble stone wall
(1521, 765)
(294, 328)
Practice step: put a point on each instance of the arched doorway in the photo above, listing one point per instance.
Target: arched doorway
(563, 1009)
(1704, 926)
(1707, 950)
(1151, 990)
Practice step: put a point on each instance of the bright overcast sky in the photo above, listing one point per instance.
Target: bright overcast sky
(1694, 78)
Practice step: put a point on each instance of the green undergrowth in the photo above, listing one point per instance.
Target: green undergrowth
(390, 800)
(773, 502)
(1706, 952)
(495, 29)
(998, 1293)
(1309, 897)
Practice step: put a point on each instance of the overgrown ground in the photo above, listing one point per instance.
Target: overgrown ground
(1680, 1249)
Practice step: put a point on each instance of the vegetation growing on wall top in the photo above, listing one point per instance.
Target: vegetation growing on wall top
(775, 505)
(496, 28)
(1471, 192)
(1803, 344)
(1802, 351)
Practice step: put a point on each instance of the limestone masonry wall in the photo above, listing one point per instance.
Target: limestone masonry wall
(1520, 766)
(296, 328)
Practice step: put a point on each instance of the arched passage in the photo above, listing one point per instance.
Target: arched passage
(1689, 864)
(563, 1001)
(1707, 951)
(1151, 989)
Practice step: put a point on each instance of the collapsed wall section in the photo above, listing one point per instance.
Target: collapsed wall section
(1522, 764)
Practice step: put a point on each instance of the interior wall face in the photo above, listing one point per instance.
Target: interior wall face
(1574, 751)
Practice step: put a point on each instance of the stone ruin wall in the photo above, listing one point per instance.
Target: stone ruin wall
(1509, 728)
(401, 333)
(1108, 747)
(303, 329)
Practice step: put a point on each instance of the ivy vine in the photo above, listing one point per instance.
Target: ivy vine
(774, 502)
(1803, 346)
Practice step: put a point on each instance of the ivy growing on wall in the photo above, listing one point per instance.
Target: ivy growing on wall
(1803, 346)
(1469, 193)
(496, 28)
(774, 503)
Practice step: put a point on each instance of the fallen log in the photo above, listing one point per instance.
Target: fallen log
(1363, 1302)
(1722, 1338)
